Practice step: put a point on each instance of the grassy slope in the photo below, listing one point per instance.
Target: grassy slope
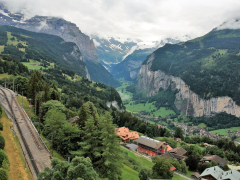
(14, 153)
(224, 131)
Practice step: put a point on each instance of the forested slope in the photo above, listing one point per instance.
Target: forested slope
(209, 64)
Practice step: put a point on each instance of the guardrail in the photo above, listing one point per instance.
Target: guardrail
(22, 137)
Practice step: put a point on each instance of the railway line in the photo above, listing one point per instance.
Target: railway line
(35, 151)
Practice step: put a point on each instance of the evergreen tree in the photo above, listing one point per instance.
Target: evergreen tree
(143, 175)
(110, 163)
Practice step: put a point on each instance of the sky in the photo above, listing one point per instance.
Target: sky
(148, 20)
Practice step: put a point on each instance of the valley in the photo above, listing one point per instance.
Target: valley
(87, 105)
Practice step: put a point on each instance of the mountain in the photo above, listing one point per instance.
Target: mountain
(130, 66)
(66, 30)
(38, 50)
(112, 50)
(204, 71)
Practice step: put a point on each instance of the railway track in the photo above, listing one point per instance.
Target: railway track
(35, 149)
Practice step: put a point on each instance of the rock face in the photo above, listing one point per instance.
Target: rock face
(69, 32)
(64, 29)
(186, 100)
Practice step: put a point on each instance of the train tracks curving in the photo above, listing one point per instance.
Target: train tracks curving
(36, 152)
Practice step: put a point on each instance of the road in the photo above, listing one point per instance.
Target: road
(34, 149)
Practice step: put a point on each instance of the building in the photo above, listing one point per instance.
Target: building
(216, 158)
(125, 135)
(216, 173)
(151, 146)
(177, 153)
(195, 175)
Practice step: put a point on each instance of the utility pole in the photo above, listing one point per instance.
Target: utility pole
(5, 83)
(13, 85)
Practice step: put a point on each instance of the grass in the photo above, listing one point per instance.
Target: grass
(202, 125)
(129, 174)
(224, 131)
(177, 177)
(15, 41)
(25, 104)
(1, 49)
(14, 153)
(4, 75)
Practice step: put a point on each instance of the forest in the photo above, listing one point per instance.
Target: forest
(209, 64)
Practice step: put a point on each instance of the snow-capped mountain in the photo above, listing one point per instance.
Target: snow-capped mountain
(113, 51)
(69, 32)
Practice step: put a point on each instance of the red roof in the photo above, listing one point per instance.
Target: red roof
(172, 168)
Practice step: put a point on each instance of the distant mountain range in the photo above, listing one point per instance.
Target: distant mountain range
(69, 32)
(122, 57)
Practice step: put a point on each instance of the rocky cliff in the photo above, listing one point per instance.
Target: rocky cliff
(69, 32)
(186, 100)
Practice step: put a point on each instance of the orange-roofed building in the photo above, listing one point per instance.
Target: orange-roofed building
(125, 135)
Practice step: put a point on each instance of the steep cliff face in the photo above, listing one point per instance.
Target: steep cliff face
(186, 100)
(67, 31)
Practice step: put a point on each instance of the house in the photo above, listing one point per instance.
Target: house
(151, 146)
(125, 135)
(207, 145)
(177, 153)
(178, 139)
(195, 175)
(216, 158)
(216, 173)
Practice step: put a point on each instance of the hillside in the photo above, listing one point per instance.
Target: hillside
(38, 48)
(67, 31)
(204, 71)
(209, 64)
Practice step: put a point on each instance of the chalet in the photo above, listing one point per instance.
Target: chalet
(216, 158)
(195, 175)
(125, 135)
(151, 146)
(216, 173)
(177, 153)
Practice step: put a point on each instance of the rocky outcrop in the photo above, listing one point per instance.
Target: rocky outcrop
(64, 29)
(186, 100)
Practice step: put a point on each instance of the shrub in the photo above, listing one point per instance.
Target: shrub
(3, 157)
(3, 174)
(1, 126)
(2, 142)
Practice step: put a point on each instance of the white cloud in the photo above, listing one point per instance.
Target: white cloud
(96, 43)
(231, 24)
(143, 19)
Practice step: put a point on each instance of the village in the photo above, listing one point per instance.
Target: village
(195, 130)
(149, 147)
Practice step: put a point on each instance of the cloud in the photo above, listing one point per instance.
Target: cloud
(96, 43)
(230, 24)
(143, 19)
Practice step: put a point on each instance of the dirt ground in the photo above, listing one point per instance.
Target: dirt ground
(15, 156)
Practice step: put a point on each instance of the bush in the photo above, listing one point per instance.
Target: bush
(2, 142)
(1, 126)
(3, 174)
(3, 157)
